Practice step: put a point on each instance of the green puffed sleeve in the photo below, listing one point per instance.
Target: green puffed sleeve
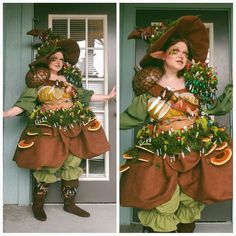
(136, 113)
(27, 100)
(84, 95)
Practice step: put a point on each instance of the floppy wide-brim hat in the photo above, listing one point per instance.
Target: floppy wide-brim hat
(190, 28)
(69, 47)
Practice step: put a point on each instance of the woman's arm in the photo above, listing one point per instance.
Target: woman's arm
(103, 97)
(14, 111)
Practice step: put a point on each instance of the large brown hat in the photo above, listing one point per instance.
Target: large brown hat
(51, 44)
(190, 28)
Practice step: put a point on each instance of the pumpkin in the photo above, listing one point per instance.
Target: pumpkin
(25, 144)
(222, 158)
(222, 146)
(124, 168)
(94, 126)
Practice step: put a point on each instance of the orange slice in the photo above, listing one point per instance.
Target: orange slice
(25, 144)
(94, 126)
(222, 158)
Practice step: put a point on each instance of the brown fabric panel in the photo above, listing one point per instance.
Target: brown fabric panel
(208, 183)
(89, 143)
(145, 185)
(184, 164)
(50, 151)
(53, 150)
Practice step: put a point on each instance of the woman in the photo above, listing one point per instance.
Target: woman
(62, 128)
(182, 158)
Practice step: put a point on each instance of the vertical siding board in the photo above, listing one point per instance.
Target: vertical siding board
(17, 55)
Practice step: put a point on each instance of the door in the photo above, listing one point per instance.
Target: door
(220, 46)
(93, 27)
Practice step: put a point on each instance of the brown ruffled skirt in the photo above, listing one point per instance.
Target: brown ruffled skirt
(147, 185)
(52, 146)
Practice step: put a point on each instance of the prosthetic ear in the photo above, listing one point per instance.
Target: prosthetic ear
(158, 55)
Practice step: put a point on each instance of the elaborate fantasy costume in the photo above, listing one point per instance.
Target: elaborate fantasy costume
(182, 158)
(62, 129)
(60, 123)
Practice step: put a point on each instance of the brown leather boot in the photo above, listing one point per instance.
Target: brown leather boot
(69, 189)
(39, 194)
(186, 228)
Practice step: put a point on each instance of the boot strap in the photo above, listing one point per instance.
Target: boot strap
(69, 192)
(41, 188)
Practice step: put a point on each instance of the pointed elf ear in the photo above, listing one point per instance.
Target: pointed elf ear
(158, 55)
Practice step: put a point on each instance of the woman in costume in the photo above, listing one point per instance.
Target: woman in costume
(182, 158)
(62, 129)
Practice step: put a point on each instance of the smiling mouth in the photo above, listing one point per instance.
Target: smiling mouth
(180, 62)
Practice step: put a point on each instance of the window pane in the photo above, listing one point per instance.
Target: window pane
(100, 118)
(97, 106)
(96, 165)
(82, 63)
(96, 63)
(97, 87)
(83, 165)
(77, 31)
(59, 26)
(95, 33)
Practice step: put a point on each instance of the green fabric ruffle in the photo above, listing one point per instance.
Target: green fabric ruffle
(70, 170)
(189, 210)
(162, 218)
(179, 209)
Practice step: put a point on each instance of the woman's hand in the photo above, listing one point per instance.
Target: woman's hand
(14, 111)
(112, 94)
(103, 97)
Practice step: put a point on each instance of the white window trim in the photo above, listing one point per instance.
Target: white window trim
(210, 27)
(105, 176)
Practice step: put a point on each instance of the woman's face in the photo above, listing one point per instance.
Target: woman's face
(56, 62)
(176, 56)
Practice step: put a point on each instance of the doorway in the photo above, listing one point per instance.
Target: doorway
(93, 26)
